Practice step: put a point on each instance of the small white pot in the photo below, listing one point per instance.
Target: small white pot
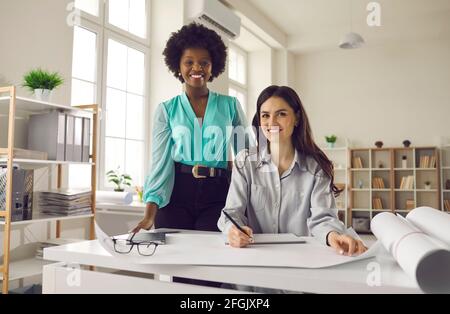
(427, 187)
(43, 94)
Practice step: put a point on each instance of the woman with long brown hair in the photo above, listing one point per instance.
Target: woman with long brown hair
(285, 184)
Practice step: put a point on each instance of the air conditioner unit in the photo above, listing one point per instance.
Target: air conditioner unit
(215, 14)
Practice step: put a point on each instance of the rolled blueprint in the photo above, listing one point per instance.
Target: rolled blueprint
(122, 198)
(423, 256)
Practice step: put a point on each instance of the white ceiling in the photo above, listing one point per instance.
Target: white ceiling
(320, 24)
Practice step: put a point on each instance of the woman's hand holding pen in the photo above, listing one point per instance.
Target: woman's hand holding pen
(345, 244)
(237, 238)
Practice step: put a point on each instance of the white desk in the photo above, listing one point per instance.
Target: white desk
(348, 278)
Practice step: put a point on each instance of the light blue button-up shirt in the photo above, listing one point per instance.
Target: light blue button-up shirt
(179, 136)
(299, 201)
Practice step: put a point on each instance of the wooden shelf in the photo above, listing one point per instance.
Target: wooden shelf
(425, 190)
(36, 106)
(360, 169)
(360, 190)
(36, 163)
(25, 268)
(381, 190)
(41, 217)
(22, 108)
(404, 190)
(403, 169)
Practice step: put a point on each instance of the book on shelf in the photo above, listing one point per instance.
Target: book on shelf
(407, 183)
(357, 162)
(410, 204)
(378, 183)
(427, 161)
(447, 205)
(377, 203)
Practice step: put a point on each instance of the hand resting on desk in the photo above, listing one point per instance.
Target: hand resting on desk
(345, 244)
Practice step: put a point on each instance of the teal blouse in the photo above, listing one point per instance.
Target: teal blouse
(179, 136)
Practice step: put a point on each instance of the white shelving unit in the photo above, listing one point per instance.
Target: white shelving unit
(15, 107)
(339, 157)
(445, 175)
(386, 164)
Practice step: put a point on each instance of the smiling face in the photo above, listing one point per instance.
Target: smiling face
(195, 67)
(277, 120)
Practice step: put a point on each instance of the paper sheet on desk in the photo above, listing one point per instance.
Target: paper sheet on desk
(209, 249)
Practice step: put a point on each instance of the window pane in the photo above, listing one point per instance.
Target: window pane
(232, 67)
(135, 117)
(117, 65)
(84, 54)
(129, 15)
(89, 6)
(240, 96)
(134, 160)
(118, 13)
(114, 156)
(82, 92)
(115, 113)
(138, 17)
(241, 69)
(135, 77)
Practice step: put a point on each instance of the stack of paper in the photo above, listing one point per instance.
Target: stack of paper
(420, 244)
(65, 202)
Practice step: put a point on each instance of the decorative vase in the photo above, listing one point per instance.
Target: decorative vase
(119, 190)
(404, 163)
(406, 143)
(427, 186)
(43, 94)
(330, 144)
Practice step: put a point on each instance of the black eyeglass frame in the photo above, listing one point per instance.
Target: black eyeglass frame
(131, 244)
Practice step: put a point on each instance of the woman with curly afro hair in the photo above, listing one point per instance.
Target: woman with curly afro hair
(189, 177)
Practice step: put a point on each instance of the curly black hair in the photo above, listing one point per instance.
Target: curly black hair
(195, 35)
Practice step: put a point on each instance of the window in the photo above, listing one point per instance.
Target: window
(237, 73)
(128, 15)
(124, 128)
(109, 68)
(88, 6)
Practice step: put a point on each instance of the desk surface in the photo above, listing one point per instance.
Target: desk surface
(376, 275)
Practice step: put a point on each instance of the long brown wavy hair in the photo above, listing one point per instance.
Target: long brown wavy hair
(302, 136)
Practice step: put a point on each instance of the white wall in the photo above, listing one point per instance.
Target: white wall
(35, 34)
(390, 93)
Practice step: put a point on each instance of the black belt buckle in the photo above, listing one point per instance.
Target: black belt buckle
(195, 169)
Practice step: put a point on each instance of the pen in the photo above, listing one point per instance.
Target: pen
(236, 224)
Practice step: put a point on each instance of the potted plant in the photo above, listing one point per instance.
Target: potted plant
(42, 83)
(331, 140)
(379, 144)
(427, 185)
(119, 179)
(406, 143)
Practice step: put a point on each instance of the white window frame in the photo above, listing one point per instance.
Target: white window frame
(118, 30)
(238, 86)
(104, 31)
(146, 50)
(92, 18)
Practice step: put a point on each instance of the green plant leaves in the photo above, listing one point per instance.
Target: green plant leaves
(42, 79)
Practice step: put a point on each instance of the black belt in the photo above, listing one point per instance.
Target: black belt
(202, 172)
